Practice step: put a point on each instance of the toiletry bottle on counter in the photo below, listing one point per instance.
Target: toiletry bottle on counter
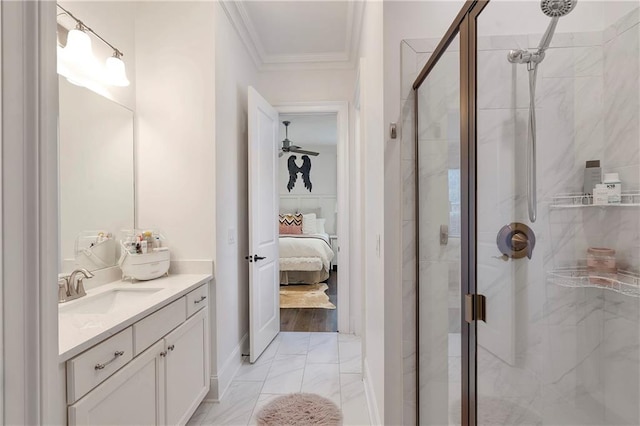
(614, 188)
(592, 176)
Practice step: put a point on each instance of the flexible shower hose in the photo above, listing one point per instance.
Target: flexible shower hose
(531, 143)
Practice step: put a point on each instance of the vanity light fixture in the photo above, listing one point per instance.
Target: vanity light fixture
(78, 44)
(77, 63)
(116, 73)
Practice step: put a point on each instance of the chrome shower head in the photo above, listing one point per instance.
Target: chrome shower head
(557, 8)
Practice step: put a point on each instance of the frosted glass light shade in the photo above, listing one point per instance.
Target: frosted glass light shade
(116, 72)
(78, 45)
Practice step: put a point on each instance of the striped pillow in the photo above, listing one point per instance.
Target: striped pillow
(290, 224)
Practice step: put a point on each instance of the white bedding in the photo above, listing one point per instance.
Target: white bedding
(305, 252)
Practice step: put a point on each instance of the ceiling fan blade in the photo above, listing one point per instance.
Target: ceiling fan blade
(302, 151)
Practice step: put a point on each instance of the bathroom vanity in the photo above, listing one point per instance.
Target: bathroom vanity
(137, 353)
(129, 353)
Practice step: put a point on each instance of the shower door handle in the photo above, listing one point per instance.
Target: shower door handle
(475, 308)
(444, 235)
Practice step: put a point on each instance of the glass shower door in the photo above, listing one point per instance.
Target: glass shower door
(439, 248)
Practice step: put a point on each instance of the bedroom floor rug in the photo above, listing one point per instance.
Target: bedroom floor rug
(300, 409)
(305, 296)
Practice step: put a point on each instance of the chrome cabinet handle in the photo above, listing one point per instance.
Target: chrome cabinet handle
(171, 347)
(115, 356)
(163, 353)
(201, 299)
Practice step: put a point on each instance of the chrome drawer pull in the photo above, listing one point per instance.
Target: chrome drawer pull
(171, 347)
(201, 299)
(115, 356)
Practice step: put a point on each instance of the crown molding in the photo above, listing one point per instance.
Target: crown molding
(233, 13)
(345, 59)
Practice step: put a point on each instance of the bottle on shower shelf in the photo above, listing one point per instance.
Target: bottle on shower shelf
(601, 265)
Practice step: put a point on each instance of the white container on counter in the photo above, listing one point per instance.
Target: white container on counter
(147, 266)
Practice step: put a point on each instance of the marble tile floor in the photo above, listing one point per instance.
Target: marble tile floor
(328, 364)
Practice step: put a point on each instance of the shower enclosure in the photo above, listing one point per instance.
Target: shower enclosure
(514, 322)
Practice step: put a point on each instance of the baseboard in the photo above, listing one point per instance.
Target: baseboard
(204, 266)
(374, 413)
(212, 395)
(220, 382)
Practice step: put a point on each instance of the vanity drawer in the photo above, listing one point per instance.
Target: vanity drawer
(92, 367)
(197, 299)
(157, 325)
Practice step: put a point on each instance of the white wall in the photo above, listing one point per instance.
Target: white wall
(235, 71)
(114, 21)
(175, 109)
(373, 150)
(289, 86)
(324, 180)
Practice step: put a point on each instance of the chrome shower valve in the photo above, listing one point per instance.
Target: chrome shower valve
(520, 56)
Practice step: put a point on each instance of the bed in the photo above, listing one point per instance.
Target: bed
(305, 258)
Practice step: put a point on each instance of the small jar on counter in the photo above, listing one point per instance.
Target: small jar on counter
(601, 265)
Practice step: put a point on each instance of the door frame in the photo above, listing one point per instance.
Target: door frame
(465, 26)
(29, 192)
(341, 109)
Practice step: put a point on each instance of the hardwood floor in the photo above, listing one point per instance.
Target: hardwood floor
(313, 319)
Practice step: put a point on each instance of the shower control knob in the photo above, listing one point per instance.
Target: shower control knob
(516, 241)
(519, 241)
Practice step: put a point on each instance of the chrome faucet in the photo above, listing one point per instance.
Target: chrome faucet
(70, 287)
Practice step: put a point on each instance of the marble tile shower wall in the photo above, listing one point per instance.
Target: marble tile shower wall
(568, 355)
(621, 101)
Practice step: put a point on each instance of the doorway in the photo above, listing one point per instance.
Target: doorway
(312, 118)
(308, 210)
(265, 145)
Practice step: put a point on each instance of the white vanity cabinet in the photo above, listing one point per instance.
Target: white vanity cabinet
(132, 396)
(163, 384)
(186, 369)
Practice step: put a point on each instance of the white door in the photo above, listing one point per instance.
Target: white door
(264, 265)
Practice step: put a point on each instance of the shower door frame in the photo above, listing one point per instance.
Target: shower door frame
(465, 26)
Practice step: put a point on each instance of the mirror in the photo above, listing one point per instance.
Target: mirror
(96, 177)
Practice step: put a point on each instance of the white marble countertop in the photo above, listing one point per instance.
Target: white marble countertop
(78, 332)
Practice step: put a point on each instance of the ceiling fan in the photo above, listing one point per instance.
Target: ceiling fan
(287, 146)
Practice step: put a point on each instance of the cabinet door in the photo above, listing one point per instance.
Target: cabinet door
(187, 368)
(132, 396)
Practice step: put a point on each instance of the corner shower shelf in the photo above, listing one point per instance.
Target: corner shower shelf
(627, 283)
(573, 201)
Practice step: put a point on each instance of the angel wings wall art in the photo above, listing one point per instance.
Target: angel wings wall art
(305, 169)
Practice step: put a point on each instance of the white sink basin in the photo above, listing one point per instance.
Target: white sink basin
(110, 301)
